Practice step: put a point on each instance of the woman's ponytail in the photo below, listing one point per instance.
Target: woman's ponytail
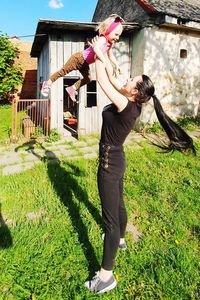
(179, 139)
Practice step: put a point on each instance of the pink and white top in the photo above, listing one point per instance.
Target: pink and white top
(89, 54)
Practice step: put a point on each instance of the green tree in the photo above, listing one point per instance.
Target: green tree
(10, 72)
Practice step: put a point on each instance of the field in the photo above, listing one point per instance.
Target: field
(50, 234)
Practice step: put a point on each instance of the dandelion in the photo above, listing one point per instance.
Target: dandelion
(117, 277)
(176, 242)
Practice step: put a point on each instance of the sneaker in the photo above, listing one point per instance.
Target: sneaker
(45, 89)
(98, 286)
(72, 92)
(122, 246)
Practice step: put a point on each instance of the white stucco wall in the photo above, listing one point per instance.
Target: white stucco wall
(177, 80)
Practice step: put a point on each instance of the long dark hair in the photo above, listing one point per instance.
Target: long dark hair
(178, 138)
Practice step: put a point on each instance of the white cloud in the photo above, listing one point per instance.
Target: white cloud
(56, 4)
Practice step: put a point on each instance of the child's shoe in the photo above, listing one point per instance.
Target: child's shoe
(72, 92)
(122, 246)
(45, 89)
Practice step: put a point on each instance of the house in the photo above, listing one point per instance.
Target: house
(166, 48)
(160, 39)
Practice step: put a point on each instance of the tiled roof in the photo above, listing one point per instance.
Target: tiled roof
(184, 9)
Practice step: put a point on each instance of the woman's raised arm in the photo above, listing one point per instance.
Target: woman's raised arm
(111, 92)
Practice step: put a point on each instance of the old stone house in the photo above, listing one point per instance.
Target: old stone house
(166, 47)
(161, 39)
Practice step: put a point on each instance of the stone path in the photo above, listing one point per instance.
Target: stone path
(16, 158)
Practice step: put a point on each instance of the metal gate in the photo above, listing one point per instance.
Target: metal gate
(30, 118)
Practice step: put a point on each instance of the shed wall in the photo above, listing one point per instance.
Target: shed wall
(61, 47)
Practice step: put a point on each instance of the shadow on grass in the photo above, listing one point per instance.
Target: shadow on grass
(5, 236)
(64, 179)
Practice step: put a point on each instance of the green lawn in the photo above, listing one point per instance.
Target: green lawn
(50, 234)
(5, 121)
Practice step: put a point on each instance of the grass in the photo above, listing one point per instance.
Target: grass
(50, 234)
(5, 121)
(187, 123)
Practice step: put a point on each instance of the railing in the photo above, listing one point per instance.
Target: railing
(30, 118)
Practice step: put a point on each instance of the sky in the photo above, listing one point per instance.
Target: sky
(20, 17)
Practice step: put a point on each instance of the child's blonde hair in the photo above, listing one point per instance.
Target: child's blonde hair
(103, 26)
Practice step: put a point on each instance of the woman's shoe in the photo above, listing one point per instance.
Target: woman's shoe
(99, 286)
(122, 246)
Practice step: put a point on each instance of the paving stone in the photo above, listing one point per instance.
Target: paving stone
(50, 154)
(18, 168)
(90, 155)
(56, 147)
(95, 148)
(10, 159)
(69, 152)
(92, 141)
(80, 144)
(85, 150)
(31, 157)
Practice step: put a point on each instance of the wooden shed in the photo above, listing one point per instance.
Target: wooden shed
(54, 43)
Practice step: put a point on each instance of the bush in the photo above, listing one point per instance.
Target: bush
(10, 73)
(54, 136)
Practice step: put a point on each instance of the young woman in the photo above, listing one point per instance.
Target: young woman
(118, 120)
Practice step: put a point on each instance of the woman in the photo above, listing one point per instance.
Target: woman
(118, 120)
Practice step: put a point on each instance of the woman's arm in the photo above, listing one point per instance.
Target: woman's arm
(115, 82)
(114, 95)
(113, 59)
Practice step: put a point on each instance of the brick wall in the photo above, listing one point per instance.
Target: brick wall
(29, 69)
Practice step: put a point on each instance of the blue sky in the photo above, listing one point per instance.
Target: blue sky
(20, 17)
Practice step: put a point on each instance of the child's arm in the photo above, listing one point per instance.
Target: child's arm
(116, 68)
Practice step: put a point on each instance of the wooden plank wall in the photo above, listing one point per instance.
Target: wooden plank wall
(61, 47)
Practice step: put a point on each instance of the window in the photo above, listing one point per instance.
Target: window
(91, 94)
(183, 53)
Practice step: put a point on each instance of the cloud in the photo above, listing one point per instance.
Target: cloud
(56, 4)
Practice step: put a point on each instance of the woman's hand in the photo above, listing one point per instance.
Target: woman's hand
(116, 70)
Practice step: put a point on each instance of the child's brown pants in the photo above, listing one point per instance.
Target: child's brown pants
(75, 62)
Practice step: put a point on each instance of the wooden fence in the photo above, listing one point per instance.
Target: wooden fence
(30, 118)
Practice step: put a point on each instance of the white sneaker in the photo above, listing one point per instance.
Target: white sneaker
(122, 246)
(45, 89)
(98, 286)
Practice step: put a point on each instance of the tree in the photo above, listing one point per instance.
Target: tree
(10, 73)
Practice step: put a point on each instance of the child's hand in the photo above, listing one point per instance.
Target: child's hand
(116, 71)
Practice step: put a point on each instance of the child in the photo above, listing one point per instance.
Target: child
(109, 31)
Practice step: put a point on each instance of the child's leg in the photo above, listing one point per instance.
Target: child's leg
(75, 62)
(85, 71)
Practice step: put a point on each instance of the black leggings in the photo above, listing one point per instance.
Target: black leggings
(110, 184)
